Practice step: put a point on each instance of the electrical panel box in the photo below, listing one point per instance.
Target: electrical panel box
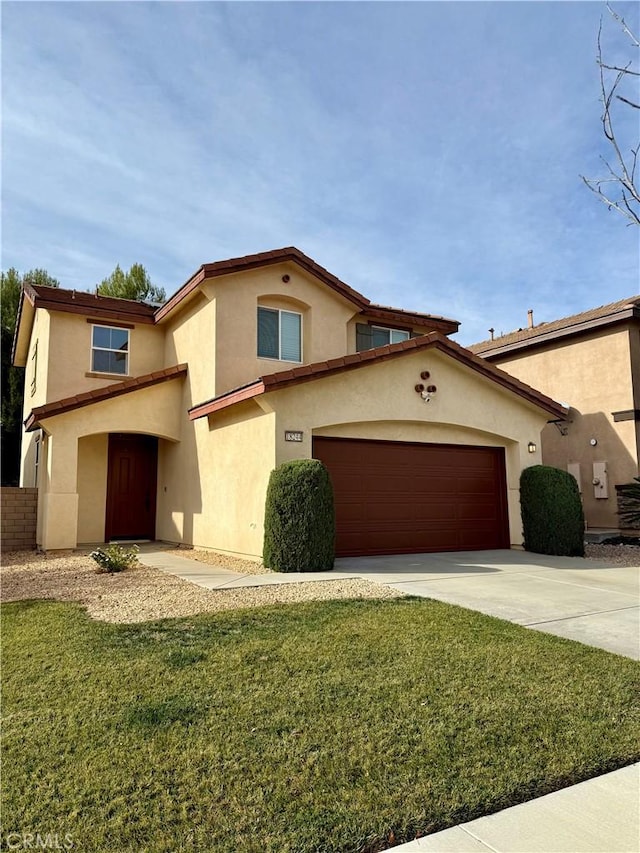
(600, 480)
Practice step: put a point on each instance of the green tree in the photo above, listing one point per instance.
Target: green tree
(134, 284)
(11, 284)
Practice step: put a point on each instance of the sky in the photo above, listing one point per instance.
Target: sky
(427, 153)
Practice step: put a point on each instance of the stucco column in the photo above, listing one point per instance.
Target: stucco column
(60, 501)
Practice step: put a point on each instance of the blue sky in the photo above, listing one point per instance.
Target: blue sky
(426, 153)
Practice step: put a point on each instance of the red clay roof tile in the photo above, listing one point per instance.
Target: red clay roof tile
(603, 315)
(311, 372)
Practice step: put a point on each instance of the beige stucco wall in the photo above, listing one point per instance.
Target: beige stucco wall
(376, 401)
(325, 315)
(212, 486)
(593, 374)
(70, 355)
(216, 331)
(40, 334)
(64, 360)
(93, 452)
(155, 410)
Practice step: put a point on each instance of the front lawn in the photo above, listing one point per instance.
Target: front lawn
(327, 726)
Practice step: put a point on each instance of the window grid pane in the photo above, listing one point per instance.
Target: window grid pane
(289, 336)
(397, 336)
(109, 352)
(379, 337)
(268, 343)
(101, 337)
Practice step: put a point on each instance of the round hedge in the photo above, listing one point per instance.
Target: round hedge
(299, 524)
(552, 515)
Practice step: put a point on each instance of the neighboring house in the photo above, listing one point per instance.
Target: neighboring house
(145, 422)
(591, 362)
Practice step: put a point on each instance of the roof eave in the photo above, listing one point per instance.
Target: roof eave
(261, 259)
(413, 318)
(309, 372)
(22, 332)
(231, 398)
(100, 395)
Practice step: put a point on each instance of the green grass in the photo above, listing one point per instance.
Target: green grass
(327, 726)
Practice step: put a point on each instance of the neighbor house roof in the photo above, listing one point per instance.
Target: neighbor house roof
(290, 253)
(69, 404)
(605, 315)
(309, 372)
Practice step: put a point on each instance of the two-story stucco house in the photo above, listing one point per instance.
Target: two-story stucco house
(146, 422)
(591, 361)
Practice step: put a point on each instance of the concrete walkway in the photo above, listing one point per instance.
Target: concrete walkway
(601, 815)
(586, 600)
(591, 601)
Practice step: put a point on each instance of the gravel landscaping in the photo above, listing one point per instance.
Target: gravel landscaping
(144, 593)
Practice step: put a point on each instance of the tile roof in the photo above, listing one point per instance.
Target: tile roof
(80, 302)
(68, 404)
(309, 372)
(290, 253)
(614, 312)
(129, 310)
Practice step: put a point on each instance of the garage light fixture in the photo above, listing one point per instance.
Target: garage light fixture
(532, 447)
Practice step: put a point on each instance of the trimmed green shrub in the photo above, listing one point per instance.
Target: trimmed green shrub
(299, 524)
(552, 516)
(114, 558)
(629, 503)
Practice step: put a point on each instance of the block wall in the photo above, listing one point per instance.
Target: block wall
(18, 508)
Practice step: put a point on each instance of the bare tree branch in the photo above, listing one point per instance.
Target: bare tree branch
(624, 195)
(626, 70)
(625, 28)
(627, 101)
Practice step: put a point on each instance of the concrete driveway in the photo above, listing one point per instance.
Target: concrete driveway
(591, 601)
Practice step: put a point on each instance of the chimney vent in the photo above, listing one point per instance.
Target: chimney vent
(491, 331)
(530, 318)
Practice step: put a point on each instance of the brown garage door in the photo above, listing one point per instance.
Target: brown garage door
(396, 497)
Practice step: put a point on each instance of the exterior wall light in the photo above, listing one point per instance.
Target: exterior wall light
(532, 447)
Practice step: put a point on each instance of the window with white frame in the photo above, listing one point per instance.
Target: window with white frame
(369, 336)
(110, 350)
(279, 334)
(380, 336)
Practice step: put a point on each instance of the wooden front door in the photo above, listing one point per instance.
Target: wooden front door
(131, 487)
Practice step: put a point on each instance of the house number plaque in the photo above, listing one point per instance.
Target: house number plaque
(293, 435)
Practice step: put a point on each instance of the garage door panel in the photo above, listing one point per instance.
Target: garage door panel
(395, 497)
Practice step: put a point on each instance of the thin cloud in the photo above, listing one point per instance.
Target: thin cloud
(428, 154)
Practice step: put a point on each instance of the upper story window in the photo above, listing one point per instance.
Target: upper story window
(110, 350)
(279, 334)
(368, 337)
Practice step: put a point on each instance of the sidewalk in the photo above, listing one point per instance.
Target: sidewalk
(601, 815)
